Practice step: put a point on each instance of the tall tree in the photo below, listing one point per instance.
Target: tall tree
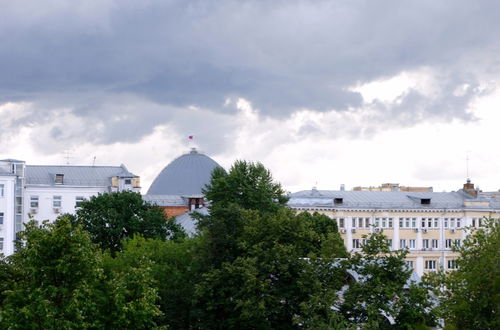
(57, 281)
(112, 217)
(248, 185)
(470, 296)
(282, 276)
(380, 295)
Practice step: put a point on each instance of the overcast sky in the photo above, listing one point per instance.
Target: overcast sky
(321, 92)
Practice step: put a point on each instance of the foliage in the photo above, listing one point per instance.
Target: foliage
(378, 297)
(280, 276)
(174, 269)
(248, 185)
(57, 280)
(112, 217)
(470, 296)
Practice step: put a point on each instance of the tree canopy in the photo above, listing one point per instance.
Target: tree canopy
(112, 217)
(470, 296)
(248, 185)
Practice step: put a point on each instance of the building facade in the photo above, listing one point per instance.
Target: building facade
(43, 192)
(428, 223)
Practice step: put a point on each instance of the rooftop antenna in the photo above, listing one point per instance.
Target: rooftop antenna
(93, 162)
(68, 155)
(467, 164)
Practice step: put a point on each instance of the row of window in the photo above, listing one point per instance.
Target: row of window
(56, 201)
(431, 264)
(412, 243)
(382, 222)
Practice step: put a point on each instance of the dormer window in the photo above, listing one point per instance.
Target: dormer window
(59, 179)
(425, 201)
(338, 200)
(128, 181)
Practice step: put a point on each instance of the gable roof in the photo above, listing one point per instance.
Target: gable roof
(87, 176)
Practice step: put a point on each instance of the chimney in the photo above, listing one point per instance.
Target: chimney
(469, 188)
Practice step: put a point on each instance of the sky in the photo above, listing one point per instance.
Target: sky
(323, 93)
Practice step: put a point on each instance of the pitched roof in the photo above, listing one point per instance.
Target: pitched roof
(87, 176)
(386, 199)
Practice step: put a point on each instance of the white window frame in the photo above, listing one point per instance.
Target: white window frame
(78, 201)
(56, 199)
(412, 243)
(34, 201)
(355, 243)
(435, 243)
(425, 243)
(402, 243)
(430, 264)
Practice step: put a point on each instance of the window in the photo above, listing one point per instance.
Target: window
(452, 264)
(389, 243)
(430, 264)
(425, 243)
(128, 181)
(389, 222)
(360, 222)
(338, 200)
(59, 179)
(407, 222)
(1, 243)
(353, 222)
(435, 243)
(429, 223)
(457, 242)
(436, 223)
(447, 243)
(402, 244)
(56, 201)
(367, 222)
(1, 190)
(479, 222)
(423, 222)
(458, 222)
(473, 222)
(414, 222)
(78, 201)
(384, 222)
(355, 243)
(34, 201)
(445, 222)
(341, 222)
(401, 222)
(363, 241)
(413, 244)
(452, 222)
(409, 263)
(1, 218)
(377, 222)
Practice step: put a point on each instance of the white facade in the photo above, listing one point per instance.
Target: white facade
(39, 192)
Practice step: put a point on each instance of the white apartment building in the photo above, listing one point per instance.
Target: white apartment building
(43, 192)
(426, 223)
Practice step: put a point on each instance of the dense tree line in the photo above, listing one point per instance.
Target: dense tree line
(255, 264)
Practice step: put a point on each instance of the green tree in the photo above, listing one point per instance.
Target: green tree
(379, 295)
(249, 185)
(174, 269)
(112, 217)
(282, 276)
(470, 296)
(57, 280)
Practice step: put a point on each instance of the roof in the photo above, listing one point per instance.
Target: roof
(388, 200)
(185, 175)
(87, 176)
(188, 223)
(165, 200)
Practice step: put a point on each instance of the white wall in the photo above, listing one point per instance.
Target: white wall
(7, 208)
(45, 210)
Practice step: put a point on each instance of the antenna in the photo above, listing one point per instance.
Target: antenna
(68, 155)
(467, 163)
(93, 162)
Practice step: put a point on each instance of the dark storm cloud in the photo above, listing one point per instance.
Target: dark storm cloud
(94, 56)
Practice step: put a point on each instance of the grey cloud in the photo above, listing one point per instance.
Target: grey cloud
(148, 61)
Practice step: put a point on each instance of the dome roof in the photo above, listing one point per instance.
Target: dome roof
(185, 175)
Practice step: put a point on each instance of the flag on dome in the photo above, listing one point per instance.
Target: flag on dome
(190, 137)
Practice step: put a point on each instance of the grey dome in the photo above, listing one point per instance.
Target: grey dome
(185, 175)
